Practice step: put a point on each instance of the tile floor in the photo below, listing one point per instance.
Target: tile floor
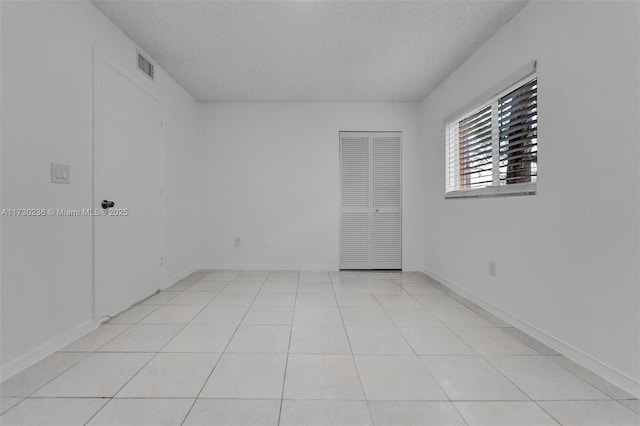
(310, 348)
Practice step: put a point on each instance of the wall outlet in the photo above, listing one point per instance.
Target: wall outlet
(236, 242)
(492, 268)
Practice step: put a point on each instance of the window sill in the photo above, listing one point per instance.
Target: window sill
(495, 191)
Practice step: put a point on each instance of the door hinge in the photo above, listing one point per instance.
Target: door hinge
(161, 261)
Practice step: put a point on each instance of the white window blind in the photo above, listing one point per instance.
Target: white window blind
(492, 149)
(518, 120)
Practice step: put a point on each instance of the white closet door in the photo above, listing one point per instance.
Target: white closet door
(355, 201)
(370, 225)
(385, 201)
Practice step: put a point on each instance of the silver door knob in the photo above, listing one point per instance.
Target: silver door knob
(377, 210)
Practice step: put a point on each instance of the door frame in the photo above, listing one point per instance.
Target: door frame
(370, 183)
(97, 56)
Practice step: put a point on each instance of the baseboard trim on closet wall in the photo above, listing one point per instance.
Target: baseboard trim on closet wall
(286, 267)
(607, 372)
(171, 281)
(41, 352)
(411, 269)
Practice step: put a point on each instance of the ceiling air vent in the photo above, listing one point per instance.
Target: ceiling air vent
(145, 65)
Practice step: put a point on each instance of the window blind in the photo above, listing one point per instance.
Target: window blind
(518, 117)
(493, 148)
(475, 150)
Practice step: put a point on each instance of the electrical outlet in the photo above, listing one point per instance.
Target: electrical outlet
(236, 242)
(492, 268)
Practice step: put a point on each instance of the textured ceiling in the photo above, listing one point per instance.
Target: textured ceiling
(309, 50)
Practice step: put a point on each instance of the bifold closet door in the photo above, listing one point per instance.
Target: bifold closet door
(370, 211)
(385, 201)
(355, 201)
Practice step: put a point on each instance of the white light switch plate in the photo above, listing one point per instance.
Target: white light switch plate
(60, 173)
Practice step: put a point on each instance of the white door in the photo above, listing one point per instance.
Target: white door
(370, 210)
(128, 158)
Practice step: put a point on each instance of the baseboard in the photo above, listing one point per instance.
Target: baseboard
(39, 353)
(411, 269)
(287, 267)
(177, 277)
(600, 368)
(271, 267)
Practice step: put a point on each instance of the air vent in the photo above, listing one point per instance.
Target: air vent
(145, 65)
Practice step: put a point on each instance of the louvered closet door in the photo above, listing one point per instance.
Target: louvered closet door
(385, 201)
(355, 201)
(370, 226)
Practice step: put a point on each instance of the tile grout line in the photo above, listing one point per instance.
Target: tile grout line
(451, 403)
(450, 292)
(150, 359)
(48, 381)
(530, 399)
(286, 363)
(353, 358)
(478, 354)
(204, 384)
(537, 355)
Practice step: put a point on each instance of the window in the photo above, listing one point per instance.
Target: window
(492, 149)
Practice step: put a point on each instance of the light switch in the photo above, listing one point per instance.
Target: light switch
(60, 173)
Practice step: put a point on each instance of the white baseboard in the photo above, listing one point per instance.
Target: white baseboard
(177, 277)
(600, 368)
(39, 353)
(411, 269)
(271, 267)
(286, 267)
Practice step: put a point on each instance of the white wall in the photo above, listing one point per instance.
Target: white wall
(183, 184)
(272, 179)
(47, 82)
(567, 258)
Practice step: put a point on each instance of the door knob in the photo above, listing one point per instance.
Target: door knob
(377, 211)
(106, 204)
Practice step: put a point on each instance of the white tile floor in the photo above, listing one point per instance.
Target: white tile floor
(310, 348)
